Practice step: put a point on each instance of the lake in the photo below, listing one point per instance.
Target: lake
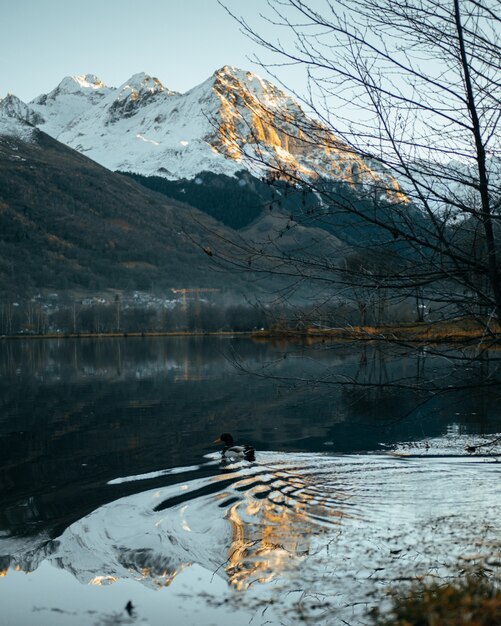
(111, 490)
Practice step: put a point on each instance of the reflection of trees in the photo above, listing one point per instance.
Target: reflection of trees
(82, 412)
(93, 410)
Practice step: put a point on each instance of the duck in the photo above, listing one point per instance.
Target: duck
(231, 452)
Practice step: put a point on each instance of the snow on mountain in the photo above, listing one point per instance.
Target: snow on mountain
(12, 107)
(17, 119)
(232, 121)
(68, 101)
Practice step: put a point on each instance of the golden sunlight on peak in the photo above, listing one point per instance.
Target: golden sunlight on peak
(275, 133)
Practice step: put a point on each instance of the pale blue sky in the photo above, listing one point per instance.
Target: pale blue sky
(182, 42)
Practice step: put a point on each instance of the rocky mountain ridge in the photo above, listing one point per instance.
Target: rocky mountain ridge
(233, 121)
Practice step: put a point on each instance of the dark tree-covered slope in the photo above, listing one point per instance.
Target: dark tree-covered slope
(66, 222)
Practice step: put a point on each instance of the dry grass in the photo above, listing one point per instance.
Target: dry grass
(472, 601)
(453, 331)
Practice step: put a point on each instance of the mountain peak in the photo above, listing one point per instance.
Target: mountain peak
(234, 120)
(232, 74)
(87, 85)
(78, 83)
(11, 106)
(230, 78)
(140, 90)
(15, 119)
(9, 101)
(231, 70)
(142, 82)
(88, 81)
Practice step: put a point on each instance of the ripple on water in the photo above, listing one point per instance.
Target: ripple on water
(352, 522)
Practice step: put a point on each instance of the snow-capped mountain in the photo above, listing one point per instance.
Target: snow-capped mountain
(12, 107)
(234, 120)
(17, 119)
(72, 98)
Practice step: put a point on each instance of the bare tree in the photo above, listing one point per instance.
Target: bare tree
(412, 90)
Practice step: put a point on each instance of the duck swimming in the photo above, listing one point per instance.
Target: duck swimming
(235, 453)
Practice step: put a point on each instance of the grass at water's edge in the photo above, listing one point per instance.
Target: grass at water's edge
(456, 331)
(470, 601)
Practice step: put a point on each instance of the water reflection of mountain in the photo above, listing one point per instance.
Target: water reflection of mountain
(335, 528)
(247, 524)
(76, 414)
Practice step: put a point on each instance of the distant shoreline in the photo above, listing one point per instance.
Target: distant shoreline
(457, 331)
(127, 335)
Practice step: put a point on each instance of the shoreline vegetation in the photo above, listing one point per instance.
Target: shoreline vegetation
(463, 330)
(472, 599)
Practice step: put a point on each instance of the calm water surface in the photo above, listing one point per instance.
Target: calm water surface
(110, 489)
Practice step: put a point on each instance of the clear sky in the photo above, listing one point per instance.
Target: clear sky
(182, 42)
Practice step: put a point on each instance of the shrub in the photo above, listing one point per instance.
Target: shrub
(472, 601)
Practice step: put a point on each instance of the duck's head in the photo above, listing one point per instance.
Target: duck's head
(225, 438)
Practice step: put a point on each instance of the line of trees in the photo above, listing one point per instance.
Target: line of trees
(28, 317)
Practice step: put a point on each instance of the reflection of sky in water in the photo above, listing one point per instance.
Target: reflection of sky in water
(107, 493)
(341, 527)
